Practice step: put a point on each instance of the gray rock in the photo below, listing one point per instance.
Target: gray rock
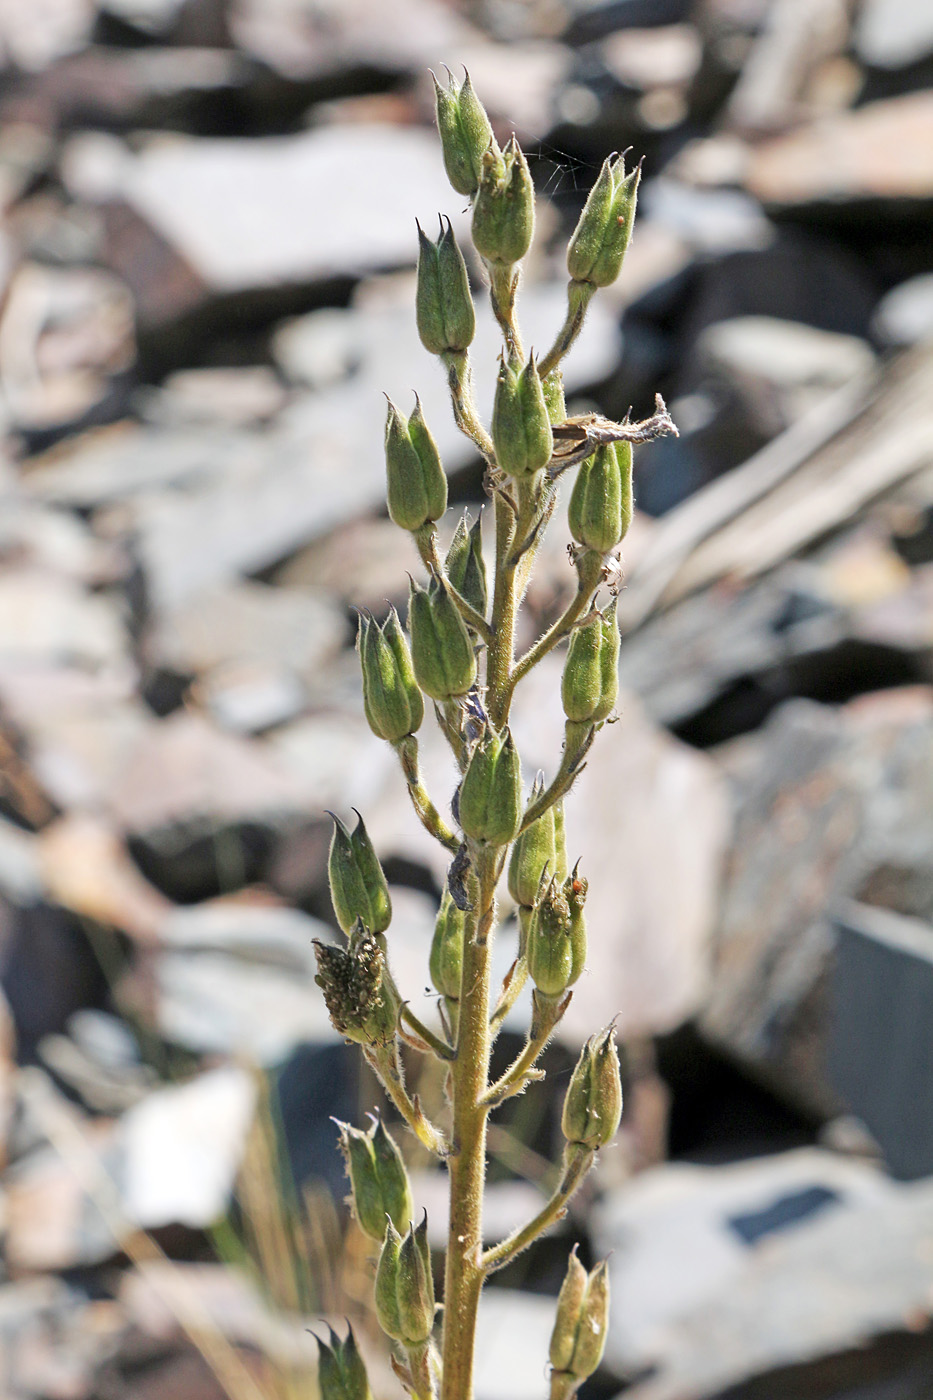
(904, 316)
(893, 33)
(48, 619)
(711, 221)
(513, 1333)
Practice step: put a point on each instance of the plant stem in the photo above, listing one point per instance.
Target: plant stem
(504, 604)
(503, 289)
(579, 295)
(432, 1041)
(426, 540)
(459, 382)
(545, 1017)
(384, 1061)
(590, 570)
(428, 815)
(577, 742)
(577, 1162)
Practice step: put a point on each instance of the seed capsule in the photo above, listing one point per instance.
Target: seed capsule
(504, 210)
(360, 1004)
(581, 1326)
(415, 480)
(378, 1179)
(465, 133)
(550, 951)
(443, 304)
(404, 1291)
(604, 230)
(446, 961)
(533, 851)
(593, 1103)
(491, 791)
(441, 648)
(601, 503)
(392, 702)
(590, 683)
(575, 889)
(521, 427)
(465, 566)
(340, 1370)
(358, 887)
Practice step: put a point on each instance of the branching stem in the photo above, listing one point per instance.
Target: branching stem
(428, 815)
(460, 384)
(577, 1162)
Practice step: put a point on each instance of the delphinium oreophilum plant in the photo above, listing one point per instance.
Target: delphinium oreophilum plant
(459, 658)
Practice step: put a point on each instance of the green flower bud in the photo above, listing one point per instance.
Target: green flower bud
(443, 304)
(521, 427)
(441, 648)
(392, 702)
(378, 1179)
(593, 1103)
(590, 684)
(504, 211)
(361, 1005)
(446, 960)
(358, 887)
(533, 851)
(550, 951)
(340, 1370)
(416, 484)
(490, 800)
(404, 1291)
(465, 133)
(581, 1326)
(604, 229)
(601, 503)
(465, 566)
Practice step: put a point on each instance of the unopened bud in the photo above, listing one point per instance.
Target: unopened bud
(378, 1179)
(465, 566)
(340, 1370)
(446, 961)
(358, 887)
(392, 702)
(533, 851)
(590, 683)
(550, 951)
(601, 505)
(604, 229)
(441, 647)
(491, 791)
(521, 427)
(443, 304)
(593, 1103)
(581, 1326)
(404, 1291)
(504, 211)
(361, 1006)
(415, 480)
(465, 133)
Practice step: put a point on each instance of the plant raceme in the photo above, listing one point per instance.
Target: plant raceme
(458, 653)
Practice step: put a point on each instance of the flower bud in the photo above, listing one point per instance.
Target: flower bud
(491, 791)
(404, 1292)
(340, 1370)
(378, 1179)
(358, 887)
(504, 210)
(593, 1103)
(465, 133)
(604, 229)
(446, 961)
(549, 951)
(361, 1005)
(600, 510)
(415, 480)
(392, 701)
(533, 851)
(581, 1326)
(589, 686)
(443, 304)
(521, 427)
(441, 648)
(465, 566)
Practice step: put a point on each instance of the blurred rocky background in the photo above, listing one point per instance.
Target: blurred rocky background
(207, 259)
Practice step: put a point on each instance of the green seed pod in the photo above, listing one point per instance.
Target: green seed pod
(378, 1179)
(534, 851)
(553, 388)
(521, 427)
(601, 503)
(610, 646)
(581, 1326)
(392, 701)
(604, 229)
(593, 1103)
(441, 649)
(491, 790)
(575, 889)
(361, 1005)
(443, 304)
(358, 887)
(465, 132)
(404, 1291)
(465, 566)
(590, 683)
(504, 210)
(340, 1370)
(550, 951)
(415, 480)
(446, 962)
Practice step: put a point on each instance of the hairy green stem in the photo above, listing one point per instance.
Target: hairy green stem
(432, 1041)
(590, 571)
(503, 292)
(546, 1016)
(428, 815)
(578, 739)
(384, 1061)
(577, 1162)
(579, 296)
(426, 540)
(460, 384)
